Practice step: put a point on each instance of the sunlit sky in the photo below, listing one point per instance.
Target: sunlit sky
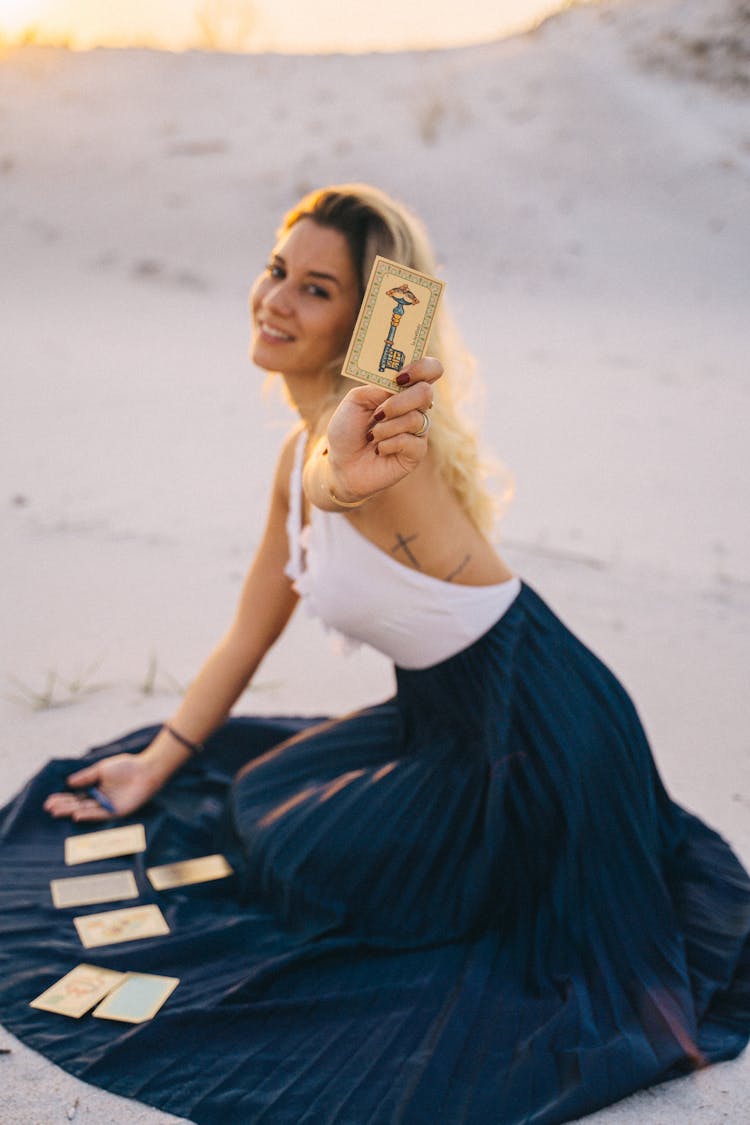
(258, 25)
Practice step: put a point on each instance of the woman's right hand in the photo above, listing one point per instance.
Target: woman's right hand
(126, 780)
(370, 420)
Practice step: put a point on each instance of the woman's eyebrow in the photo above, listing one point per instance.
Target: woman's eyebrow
(310, 273)
(324, 276)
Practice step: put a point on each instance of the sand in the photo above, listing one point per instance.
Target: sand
(588, 188)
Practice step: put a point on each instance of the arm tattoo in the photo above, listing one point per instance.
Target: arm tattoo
(402, 544)
(461, 566)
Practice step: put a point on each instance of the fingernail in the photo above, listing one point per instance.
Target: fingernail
(369, 435)
(380, 416)
(377, 450)
(403, 379)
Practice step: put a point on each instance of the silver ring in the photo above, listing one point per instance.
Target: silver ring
(425, 425)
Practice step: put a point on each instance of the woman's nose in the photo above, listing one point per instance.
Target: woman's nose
(278, 297)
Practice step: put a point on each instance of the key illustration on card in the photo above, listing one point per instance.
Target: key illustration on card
(85, 890)
(393, 324)
(187, 871)
(77, 992)
(130, 924)
(127, 840)
(392, 358)
(137, 999)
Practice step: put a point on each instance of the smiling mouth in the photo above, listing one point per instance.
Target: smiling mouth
(275, 333)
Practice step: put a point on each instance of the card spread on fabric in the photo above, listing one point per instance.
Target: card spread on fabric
(77, 992)
(137, 999)
(84, 890)
(181, 874)
(127, 840)
(393, 324)
(130, 924)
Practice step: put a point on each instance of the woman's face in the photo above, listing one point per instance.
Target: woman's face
(305, 302)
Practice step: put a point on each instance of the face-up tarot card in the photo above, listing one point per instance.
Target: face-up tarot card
(130, 924)
(393, 325)
(77, 992)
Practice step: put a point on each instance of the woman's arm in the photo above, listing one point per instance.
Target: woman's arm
(265, 606)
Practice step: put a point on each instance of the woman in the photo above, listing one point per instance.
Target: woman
(472, 903)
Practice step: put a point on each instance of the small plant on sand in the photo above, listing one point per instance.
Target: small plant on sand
(57, 691)
(150, 684)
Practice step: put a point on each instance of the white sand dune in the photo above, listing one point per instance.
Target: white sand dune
(588, 187)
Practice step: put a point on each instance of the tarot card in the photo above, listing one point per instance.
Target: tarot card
(130, 924)
(126, 840)
(83, 890)
(393, 325)
(137, 999)
(202, 870)
(77, 992)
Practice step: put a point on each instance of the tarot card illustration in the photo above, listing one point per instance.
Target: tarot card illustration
(393, 325)
(131, 924)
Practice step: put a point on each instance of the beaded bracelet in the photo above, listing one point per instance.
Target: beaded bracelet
(193, 747)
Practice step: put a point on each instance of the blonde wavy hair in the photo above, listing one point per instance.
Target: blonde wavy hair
(372, 224)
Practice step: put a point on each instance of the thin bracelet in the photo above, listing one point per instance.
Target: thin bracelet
(348, 503)
(334, 497)
(193, 747)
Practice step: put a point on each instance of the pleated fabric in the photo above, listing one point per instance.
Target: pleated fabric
(474, 904)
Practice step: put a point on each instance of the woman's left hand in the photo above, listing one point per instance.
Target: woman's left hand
(376, 438)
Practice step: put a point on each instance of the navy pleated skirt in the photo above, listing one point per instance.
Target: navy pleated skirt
(474, 903)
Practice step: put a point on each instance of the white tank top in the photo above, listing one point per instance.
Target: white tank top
(361, 592)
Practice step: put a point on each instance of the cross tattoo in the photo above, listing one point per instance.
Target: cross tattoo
(402, 544)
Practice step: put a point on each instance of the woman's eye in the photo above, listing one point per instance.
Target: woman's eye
(274, 270)
(316, 291)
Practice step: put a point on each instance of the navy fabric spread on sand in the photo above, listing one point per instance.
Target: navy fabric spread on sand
(474, 903)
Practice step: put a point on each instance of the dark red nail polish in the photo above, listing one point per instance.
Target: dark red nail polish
(403, 379)
(377, 450)
(369, 435)
(380, 416)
